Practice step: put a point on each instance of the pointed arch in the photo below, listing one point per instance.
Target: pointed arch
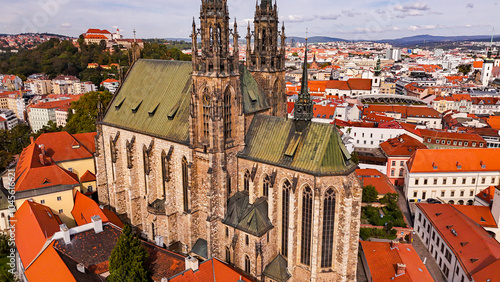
(185, 185)
(165, 172)
(246, 181)
(307, 203)
(227, 114)
(285, 216)
(266, 184)
(328, 228)
(206, 114)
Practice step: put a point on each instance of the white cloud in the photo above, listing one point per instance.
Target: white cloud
(65, 25)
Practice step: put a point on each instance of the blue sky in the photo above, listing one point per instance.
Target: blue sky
(360, 19)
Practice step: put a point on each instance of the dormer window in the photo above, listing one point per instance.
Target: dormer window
(459, 165)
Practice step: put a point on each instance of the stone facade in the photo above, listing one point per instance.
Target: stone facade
(177, 193)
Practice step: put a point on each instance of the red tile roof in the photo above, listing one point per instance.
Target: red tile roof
(49, 261)
(473, 246)
(35, 223)
(489, 273)
(478, 64)
(376, 179)
(95, 30)
(403, 145)
(377, 118)
(32, 174)
(211, 270)
(487, 194)
(62, 146)
(480, 214)
(455, 160)
(85, 208)
(87, 177)
(327, 111)
(382, 261)
(451, 135)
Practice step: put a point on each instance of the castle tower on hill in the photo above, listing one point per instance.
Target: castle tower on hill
(200, 157)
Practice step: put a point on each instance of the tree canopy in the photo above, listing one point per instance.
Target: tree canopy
(128, 259)
(82, 115)
(370, 194)
(55, 57)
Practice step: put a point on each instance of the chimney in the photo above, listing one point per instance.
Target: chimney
(191, 263)
(42, 159)
(97, 222)
(394, 244)
(32, 140)
(80, 267)
(42, 148)
(401, 269)
(65, 231)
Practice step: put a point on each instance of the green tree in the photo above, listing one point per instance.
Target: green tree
(82, 116)
(370, 194)
(49, 128)
(128, 259)
(102, 44)
(354, 157)
(295, 54)
(464, 69)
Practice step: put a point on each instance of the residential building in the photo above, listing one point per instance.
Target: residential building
(111, 84)
(451, 175)
(434, 139)
(418, 115)
(9, 117)
(351, 88)
(42, 181)
(463, 250)
(384, 261)
(4, 210)
(12, 82)
(41, 113)
(63, 84)
(83, 87)
(398, 151)
(72, 152)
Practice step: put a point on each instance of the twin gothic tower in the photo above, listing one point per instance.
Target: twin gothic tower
(201, 158)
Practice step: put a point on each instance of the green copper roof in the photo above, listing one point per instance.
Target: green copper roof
(277, 269)
(154, 100)
(254, 99)
(251, 219)
(316, 150)
(200, 248)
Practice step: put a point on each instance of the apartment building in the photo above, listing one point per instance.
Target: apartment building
(453, 176)
(463, 250)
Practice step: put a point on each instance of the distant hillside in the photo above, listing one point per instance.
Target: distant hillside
(402, 42)
(421, 39)
(314, 39)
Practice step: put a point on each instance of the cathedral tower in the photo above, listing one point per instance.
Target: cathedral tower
(216, 123)
(266, 61)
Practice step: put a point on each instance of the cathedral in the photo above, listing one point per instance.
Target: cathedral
(201, 158)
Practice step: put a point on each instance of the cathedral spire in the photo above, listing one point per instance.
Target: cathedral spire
(303, 107)
(378, 69)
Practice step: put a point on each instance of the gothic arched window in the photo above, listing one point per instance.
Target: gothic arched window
(307, 200)
(185, 184)
(285, 210)
(247, 264)
(328, 228)
(165, 171)
(228, 255)
(227, 115)
(246, 181)
(206, 116)
(265, 186)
